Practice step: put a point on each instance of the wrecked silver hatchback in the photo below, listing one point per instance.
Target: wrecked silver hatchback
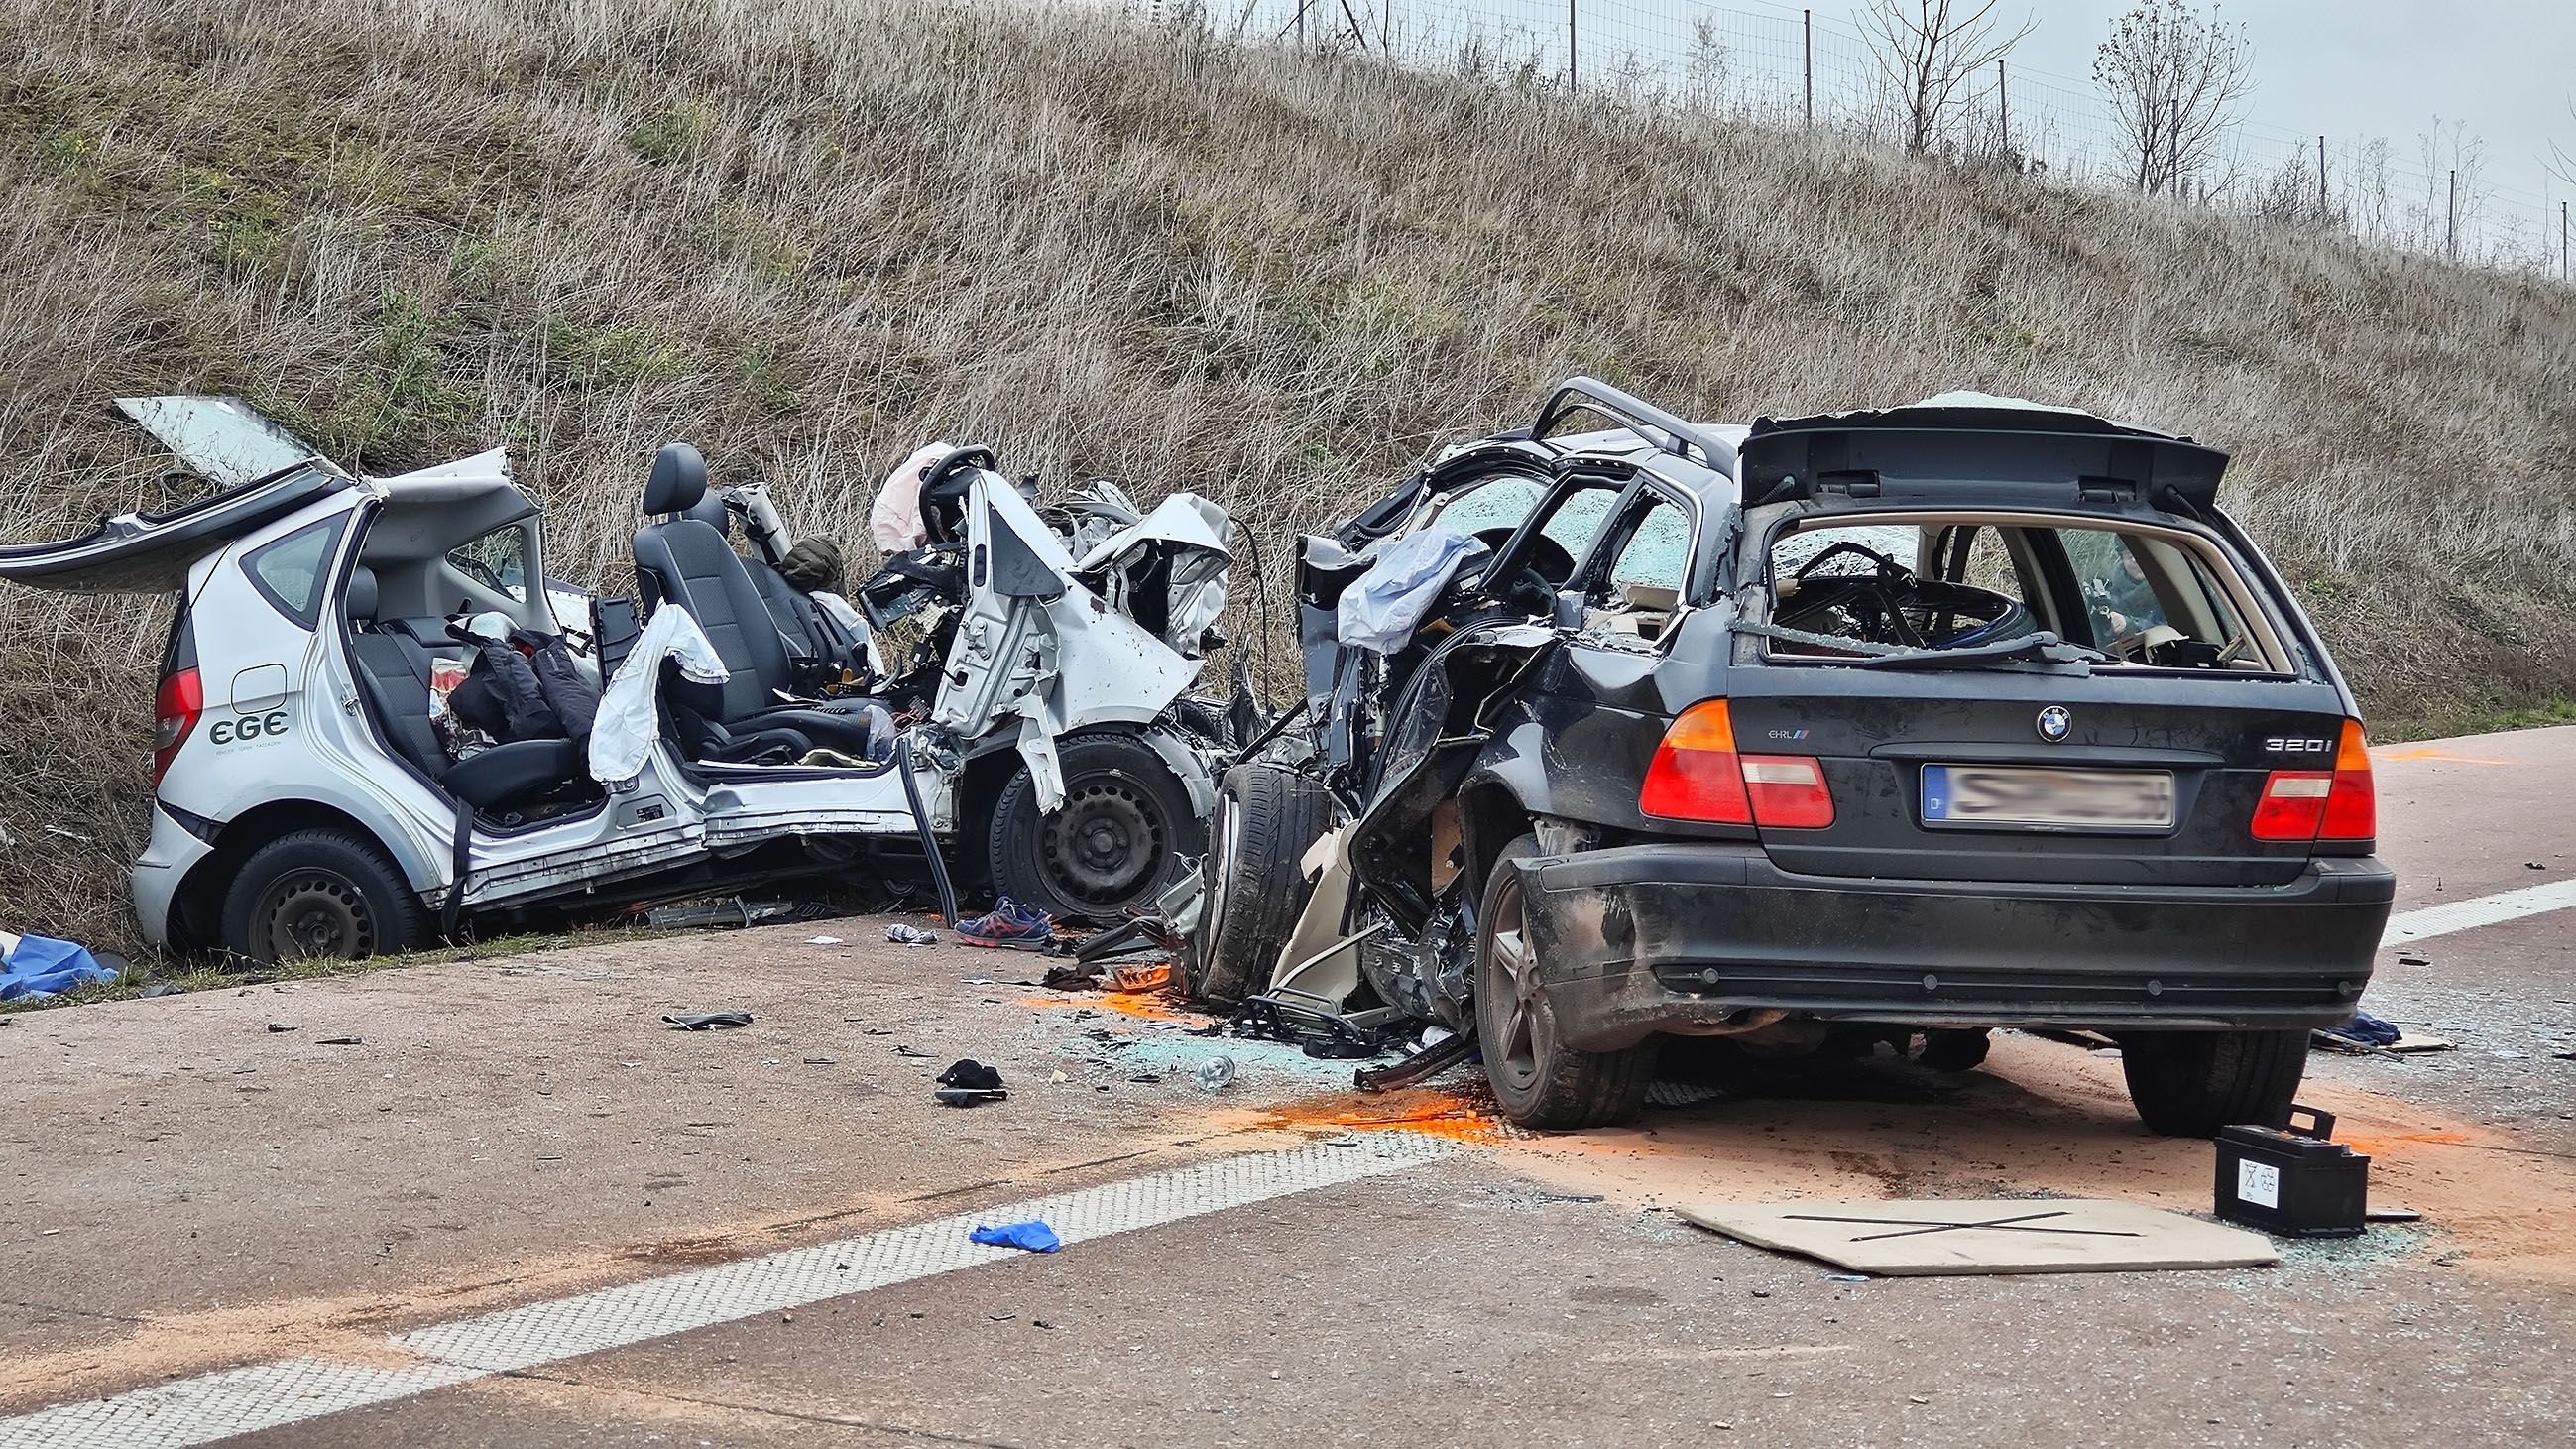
(380, 718)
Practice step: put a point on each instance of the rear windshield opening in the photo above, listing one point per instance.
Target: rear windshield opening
(2151, 598)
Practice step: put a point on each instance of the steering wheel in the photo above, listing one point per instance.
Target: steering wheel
(934, 521)
(1889, 605)
(1544, 566)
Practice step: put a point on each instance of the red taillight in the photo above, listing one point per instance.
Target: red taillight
(1788, 791)
(175, 708)
(2311, 805)
(2352, 807)
(2293, 805)
(1697, 775)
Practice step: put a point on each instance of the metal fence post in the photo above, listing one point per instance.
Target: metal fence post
(2003, 105)
(2562, 241)
(2451, 221)
(1572, 45)
(2321, 179)
(1807, 50)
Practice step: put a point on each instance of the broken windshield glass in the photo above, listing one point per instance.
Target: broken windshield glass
(223, 440)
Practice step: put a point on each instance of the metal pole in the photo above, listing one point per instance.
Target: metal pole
(1571, 45)
(2562, 241)
(2003, 104)
(2321, 178)
(2451, 221)
(1807, 29)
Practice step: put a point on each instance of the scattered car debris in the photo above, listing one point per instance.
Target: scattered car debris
(733, 913)
(2294, 1180)
(905, 934)
(708, 1020)
(280, 1026)
(1917, 1237)
(1215, 1074)
(1034, 1236)
(822, 940)
(970, 1083)
(340, 1041)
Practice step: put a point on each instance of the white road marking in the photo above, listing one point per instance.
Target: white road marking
(2468, 915)
(220, 1405)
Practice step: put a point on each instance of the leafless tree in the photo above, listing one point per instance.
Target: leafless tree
(1929, 52)
(2175, 77)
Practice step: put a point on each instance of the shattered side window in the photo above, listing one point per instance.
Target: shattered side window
(1500, 504)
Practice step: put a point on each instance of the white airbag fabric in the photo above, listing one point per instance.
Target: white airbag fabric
(630, 716)
(1382, 607)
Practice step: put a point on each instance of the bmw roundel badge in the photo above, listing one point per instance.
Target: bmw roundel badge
(2054, 722)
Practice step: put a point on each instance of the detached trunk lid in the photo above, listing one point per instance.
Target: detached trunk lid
(261, 472)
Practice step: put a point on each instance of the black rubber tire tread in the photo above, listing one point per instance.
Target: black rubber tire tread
(1575, 1090)
(402, 923)
(1282, 814)
(1011, 844)
(2191, 1083)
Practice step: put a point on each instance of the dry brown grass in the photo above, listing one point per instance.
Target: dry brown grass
(808, 234)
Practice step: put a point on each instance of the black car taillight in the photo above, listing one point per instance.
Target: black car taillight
(175, 709)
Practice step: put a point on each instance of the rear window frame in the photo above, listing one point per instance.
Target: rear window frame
(2277, 626)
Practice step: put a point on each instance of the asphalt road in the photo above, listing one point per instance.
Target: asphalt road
(519, 1210)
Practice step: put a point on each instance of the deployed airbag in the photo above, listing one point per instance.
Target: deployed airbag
(1381, 608)
(630, 716)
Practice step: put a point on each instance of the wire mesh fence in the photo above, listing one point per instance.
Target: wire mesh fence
(1787, 66)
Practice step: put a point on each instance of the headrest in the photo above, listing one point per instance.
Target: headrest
(713, 511)
(679, 480)
(360, 597)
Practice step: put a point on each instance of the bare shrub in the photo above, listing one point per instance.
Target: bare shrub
(1928, 52)
(2175, 78)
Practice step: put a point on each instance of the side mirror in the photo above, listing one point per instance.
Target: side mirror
(1568, 614)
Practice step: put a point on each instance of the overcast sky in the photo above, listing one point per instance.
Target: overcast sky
(2355, 68)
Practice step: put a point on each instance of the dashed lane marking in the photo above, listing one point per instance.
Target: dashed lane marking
(235, 1401)
(2443, 920)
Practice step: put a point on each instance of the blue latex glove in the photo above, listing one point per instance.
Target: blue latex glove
(1033, 1235)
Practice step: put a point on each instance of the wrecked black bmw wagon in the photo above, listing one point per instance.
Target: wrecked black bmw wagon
(1897, 725)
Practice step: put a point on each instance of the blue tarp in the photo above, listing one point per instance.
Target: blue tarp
(41, 966)
(1033, 1235)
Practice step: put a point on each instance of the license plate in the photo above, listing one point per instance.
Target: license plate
(2011, 798)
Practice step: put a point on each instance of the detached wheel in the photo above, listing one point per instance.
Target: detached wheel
(2191, 1083)
(1267, 817)
(319, 894)
(1125, 827)
(1538, 1080)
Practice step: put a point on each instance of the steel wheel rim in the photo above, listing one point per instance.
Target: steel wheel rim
(314, 914)
(1511, 987)
(1105, 847)
(1221, 864)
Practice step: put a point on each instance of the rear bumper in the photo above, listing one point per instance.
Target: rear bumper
(159, 872)
(1689, 937)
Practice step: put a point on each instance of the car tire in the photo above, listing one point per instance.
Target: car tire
(320, 894)
(1538, 1080)
(1121, 836)
(1267, 817)
(2191, 1083)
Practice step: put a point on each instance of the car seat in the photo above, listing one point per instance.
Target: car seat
(811, 637)
(394, 670)
(685, 560)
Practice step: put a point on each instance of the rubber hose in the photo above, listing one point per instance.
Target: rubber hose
(929, 842)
